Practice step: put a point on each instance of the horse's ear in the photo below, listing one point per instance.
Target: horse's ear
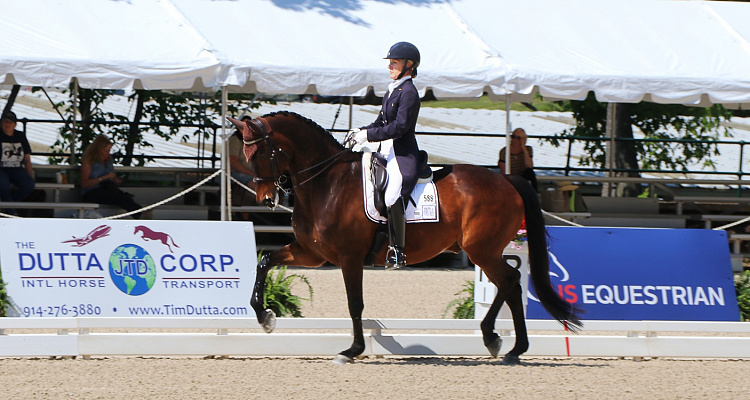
(237, 123)
(243, 127)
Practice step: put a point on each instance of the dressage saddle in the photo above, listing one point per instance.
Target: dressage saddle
(380, 178)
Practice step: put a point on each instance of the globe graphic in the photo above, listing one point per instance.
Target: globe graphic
(132, 269)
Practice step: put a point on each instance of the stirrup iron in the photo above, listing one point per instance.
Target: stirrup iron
(395, 258)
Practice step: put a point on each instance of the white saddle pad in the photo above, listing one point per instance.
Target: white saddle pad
(424, 194)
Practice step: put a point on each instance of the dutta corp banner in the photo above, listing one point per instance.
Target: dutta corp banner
(127, 268)
(641, 274)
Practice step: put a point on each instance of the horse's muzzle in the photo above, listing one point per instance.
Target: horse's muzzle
(271, 203)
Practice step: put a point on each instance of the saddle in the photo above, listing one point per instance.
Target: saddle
(379, 176)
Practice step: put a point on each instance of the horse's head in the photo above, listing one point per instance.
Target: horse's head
(269, 161)
(285, 144)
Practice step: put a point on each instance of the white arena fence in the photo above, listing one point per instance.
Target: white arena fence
(68, 337)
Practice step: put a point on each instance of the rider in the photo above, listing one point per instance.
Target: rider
(394, 129)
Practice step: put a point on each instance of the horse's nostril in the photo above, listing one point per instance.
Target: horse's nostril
(268, 202)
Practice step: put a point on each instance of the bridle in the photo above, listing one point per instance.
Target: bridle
(278, 178)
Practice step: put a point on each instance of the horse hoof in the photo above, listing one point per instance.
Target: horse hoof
(269, 323)
(494, 347)
(511, 360)
(341, 359)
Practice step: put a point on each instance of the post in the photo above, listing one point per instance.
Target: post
(351, 108)
(507, 133)
(225, 201)
(74, 127)
(610, 148)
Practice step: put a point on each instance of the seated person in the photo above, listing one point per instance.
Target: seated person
(15, 161)
(521, 158)
(99, 183)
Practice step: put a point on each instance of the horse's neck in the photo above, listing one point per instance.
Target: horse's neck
(312, 159)
(327, 179)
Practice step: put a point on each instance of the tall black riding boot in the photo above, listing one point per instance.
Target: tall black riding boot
(397, 230)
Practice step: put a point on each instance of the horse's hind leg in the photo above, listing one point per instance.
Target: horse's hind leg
(515, 303)
(506, 281)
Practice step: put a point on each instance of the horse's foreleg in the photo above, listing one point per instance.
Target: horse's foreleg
(266, 317)
(292, 254)
(515, 303)
(353, 283)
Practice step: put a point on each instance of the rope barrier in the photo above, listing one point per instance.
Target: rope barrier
(167, 200)
(242, 185)
(720, 228)
(549, 214)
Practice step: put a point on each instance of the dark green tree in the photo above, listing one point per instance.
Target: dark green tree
(675, 136)
(159, 112)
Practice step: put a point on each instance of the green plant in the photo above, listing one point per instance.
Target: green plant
(464, 305)
(278, 294)
(3, 297)
(742, 287)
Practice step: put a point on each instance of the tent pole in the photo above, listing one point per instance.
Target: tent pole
(224, 164)
(610, 149)
(351, 107)
(507, 134)
(74, 128)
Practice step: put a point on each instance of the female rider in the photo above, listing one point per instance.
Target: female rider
(394, 130)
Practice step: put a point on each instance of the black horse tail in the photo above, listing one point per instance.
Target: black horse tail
(561, 310)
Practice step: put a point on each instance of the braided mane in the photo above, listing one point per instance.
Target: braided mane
(312, 124)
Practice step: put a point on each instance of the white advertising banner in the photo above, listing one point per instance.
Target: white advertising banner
(128, 268)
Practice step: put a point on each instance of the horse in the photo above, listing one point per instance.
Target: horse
(162, 237)
(480, 213)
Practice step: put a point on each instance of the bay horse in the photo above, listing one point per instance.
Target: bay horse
(480, 213)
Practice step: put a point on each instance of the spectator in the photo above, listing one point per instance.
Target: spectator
(99, 183)
(15, 161)
(521, 157)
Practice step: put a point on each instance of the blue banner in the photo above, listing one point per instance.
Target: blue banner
(642, 274)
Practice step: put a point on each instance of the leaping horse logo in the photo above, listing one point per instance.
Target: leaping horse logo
(148, 234)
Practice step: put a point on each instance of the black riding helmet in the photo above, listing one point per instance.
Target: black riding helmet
(406, 51)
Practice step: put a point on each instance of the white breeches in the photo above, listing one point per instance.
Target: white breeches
(393, 188)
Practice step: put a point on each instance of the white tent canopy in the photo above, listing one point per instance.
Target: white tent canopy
(685, 52)
(689, 52)
(104, 45)
(298, 47)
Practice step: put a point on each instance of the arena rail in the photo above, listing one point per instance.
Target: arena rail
(95, 336)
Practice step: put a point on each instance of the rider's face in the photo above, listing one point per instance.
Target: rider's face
(395, 67)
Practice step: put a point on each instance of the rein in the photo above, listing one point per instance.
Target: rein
(329, 160)
(278, 178)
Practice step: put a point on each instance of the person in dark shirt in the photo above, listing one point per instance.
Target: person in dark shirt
(15, 161)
